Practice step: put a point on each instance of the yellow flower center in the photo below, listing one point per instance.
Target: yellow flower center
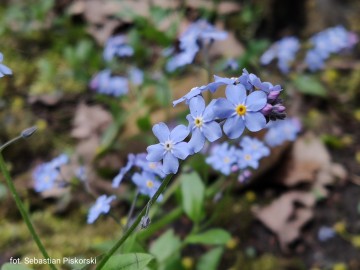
(152, 165)
(149, 183)
(247, 157)
(198, 122)
(226, 159)
(240, 109)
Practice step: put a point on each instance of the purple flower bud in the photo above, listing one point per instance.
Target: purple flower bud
(234, 168)
(267, 109)
(279, 108)
(273, 95)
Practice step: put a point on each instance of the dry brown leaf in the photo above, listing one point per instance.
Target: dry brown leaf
(228, 7)
(307, 158)
(90, 120)
(284, 219)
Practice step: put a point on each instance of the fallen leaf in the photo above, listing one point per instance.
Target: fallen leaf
(284, 219)
(90, 120)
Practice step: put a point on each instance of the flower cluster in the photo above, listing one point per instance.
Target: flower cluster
(281, 131)
(117, 46)
(331, 40)
(248, 104)
(325, 43)
(196, 36)
(4, 70)
(105, 83)
(46, 175)
(284, 50)
(228, 159)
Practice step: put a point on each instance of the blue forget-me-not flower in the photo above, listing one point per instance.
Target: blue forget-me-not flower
(101, 206)
(202, 124)
(253, 144)
(47, 174)
(147, 183)
(284, 50)
(105, 83)
(281, 131)
(240, 110)
(222, 158)
(117, 46)
(171, 147)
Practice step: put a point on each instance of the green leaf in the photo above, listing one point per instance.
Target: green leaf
(193, 192)
(210, 237)
(144, 123)
(165, 246)
(130, 261)
(309, 85)
(12, 266)
(210, 260)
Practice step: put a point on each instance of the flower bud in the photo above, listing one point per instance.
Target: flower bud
(267, 109)
(273, 95)
(279, 108)
(28, 132)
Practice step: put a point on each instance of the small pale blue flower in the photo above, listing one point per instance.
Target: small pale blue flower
(247, 158)
(281, 131)
(325, 233)
(105, 83)
(222, 158)
(258, 147)
(241, 110)
(151, 167)
(45, 177)
(147, 183)
(284, 50)
(101, 206)
(171, 147)
(116, 46)
(202, 124)
(136, 76)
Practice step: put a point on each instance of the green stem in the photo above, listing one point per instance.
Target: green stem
(136, 223)
(132, 208)
(22, 210)
(10, 142)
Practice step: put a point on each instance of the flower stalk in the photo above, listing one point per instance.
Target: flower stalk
(135, 224)
(19, 203)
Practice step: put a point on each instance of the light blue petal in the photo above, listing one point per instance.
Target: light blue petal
(197, 141)
(191, 121)
(223, 108)
(170, 164)
(256, 101)
(212, 131)
(138, 180)
(179, 133)
(5, 70)
(197, 106)
(155, 152)
(209, 112)
(234, 127)
(222, 80)
(181, 150)
(255, 121)
(236, 94)
(161, 131)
